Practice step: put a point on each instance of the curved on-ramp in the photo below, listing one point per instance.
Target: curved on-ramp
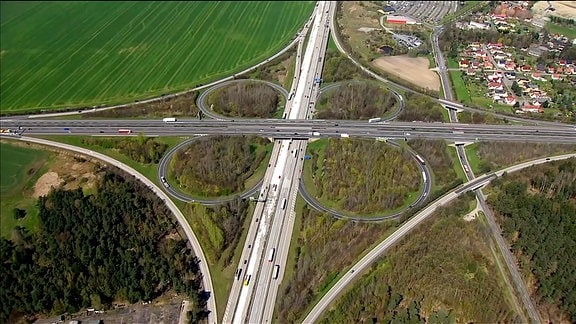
(314, 203)
(399, 99)
(203, 265)
(162, 172)
(373, 255)
(201, 101)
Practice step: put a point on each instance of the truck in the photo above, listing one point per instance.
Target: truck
(343, 135)
(276, 271)
(124, 131)
(374, 120)
(169, 119)
(271, 254)
(315, 134)
(284, 203)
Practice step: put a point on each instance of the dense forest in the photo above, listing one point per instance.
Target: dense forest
(442, 272)
(356, 101)
(364, 176)
(219, 165)
(421, 108)
(142, 149)
(245, 99)
(537, 213)
(118, 245)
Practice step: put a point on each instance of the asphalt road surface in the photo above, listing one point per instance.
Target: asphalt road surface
(299, 129)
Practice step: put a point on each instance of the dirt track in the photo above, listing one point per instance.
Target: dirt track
(414, 70)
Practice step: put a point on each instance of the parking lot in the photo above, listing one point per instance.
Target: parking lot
(430, 12)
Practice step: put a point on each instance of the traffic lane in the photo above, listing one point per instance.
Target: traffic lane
(469, 136)
(118, 124)
(332, 126)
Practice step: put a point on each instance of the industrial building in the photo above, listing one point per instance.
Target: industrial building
(399, 20)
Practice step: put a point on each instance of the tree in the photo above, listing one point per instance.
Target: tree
(19, 213)
(517, 105)
(516, 88)
(546, 104)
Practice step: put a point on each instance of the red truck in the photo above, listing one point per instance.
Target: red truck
(124, 131)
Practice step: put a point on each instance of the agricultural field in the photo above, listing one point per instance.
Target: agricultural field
(61, 54)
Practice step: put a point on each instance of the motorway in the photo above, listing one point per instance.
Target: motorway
(357, 269)
(255, 302)
(252, 299)
(299, 129)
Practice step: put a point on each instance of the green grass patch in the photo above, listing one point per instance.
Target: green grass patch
(462, 92)
(568, 31)
(452, 64)
(473, 158)
(62, 54)
(332, 45)
(19, 169)
(456, 163)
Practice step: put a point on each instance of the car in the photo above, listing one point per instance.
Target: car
(101, 132)
(547, 159)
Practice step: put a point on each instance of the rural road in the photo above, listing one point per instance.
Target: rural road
(206, 278)
(373, 255)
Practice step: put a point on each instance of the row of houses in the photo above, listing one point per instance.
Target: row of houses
(476, 57)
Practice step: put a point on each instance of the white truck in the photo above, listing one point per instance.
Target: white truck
(343, 135)
(169, 119)
(315, 134)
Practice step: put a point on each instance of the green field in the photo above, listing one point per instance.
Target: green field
(19, 169)
(568, 31)
(61, 54)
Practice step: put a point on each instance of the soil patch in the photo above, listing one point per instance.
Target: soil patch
(66, 171)
(412, 69)
(564, 9)
(46, 182)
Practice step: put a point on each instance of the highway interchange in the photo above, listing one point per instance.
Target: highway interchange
(272, 222)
